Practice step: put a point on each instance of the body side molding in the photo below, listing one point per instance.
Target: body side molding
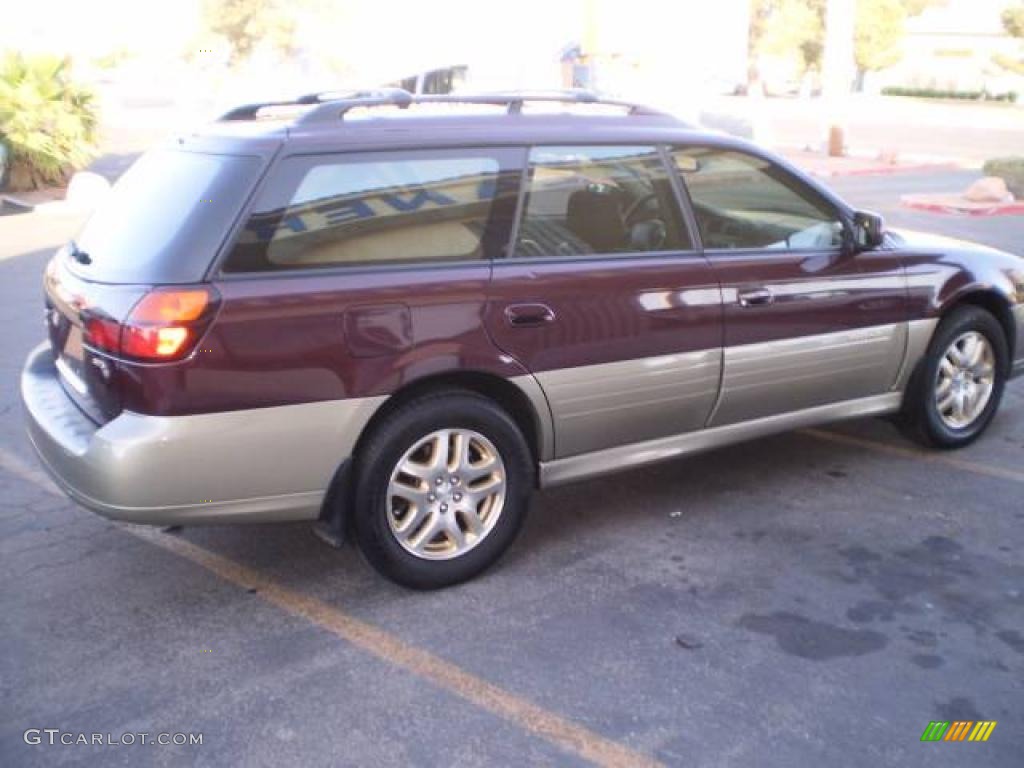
(561, 471)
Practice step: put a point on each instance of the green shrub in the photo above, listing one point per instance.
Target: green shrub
(1010, 170)
(938, 93)
(47, 121)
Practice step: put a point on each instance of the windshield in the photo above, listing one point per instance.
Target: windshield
(165, 218)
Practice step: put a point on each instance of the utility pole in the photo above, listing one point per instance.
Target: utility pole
(591, 41)
(838, 70)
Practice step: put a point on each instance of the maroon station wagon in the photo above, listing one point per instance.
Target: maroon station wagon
(399, 315)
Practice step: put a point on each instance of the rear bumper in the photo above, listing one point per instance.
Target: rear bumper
(261, 465)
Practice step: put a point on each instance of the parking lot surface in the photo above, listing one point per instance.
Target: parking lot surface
(810, 599)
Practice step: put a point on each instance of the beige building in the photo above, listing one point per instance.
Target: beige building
(953, 47)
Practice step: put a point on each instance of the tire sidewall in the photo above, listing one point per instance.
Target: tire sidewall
(400, 432)
(961, 322)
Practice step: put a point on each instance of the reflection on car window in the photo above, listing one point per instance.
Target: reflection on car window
(352, 209)
(743, 201)
(583, 200)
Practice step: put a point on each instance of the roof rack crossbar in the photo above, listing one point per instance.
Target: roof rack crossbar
(333, 105)
(513, 101)
(250, 111)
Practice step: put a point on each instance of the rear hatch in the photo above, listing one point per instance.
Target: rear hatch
(153, 237)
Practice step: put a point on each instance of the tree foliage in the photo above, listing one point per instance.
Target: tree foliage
(788, 27)
(247, 24)
(879, 33)
(1013, 21)
(779, 27)
(47, 121)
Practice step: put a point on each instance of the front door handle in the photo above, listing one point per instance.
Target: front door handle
(529, 315)
(756, 297)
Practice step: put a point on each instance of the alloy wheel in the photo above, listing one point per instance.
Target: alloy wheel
(965, 380)
(446, 494)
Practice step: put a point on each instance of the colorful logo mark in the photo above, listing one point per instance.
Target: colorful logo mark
(959, 730)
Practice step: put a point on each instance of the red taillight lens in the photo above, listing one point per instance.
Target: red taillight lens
(165, 324)
(155, 343)
(103, 333)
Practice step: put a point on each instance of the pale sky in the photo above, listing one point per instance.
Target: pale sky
(386, 39)
(463, 27)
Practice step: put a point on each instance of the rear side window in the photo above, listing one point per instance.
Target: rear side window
(379, 208)
(599, 200)
(165, 217)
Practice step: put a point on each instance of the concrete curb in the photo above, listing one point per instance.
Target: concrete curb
(954, 207)
(887, 170)
(10, 205)
(860, 162)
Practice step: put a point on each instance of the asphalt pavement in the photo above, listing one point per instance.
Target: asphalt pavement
(810, 599)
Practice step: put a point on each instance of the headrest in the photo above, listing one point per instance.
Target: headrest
(595, 216)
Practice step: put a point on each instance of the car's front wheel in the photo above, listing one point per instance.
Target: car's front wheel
(955, 393)
(442, 487)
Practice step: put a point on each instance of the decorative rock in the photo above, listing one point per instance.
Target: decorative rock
(990, 189)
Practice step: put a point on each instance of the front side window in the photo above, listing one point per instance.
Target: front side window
(598, 200)
(379, 208)
(743, 201)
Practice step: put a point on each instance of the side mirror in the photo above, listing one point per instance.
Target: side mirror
(868, 230)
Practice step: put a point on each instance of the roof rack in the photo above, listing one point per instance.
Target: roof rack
(333, 105)
(249, 111)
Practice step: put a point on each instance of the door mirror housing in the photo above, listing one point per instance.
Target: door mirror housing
(868, 231)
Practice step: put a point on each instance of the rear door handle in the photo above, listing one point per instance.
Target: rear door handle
(756, 297)
(529, 315)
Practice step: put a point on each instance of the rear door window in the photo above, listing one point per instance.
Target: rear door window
(599, 200)
(165, 218)
(400, 207)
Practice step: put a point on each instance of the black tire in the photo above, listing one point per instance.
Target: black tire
(385, 447)
(920, 417)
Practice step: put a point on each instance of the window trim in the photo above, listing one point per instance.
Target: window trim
(508, 252)
(510, 160)
(791, 174)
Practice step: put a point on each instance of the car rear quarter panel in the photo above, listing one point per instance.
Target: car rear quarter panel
(282, 340)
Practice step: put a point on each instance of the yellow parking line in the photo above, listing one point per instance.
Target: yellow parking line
(913, 453)
(549, 726)
(557, 730)
(14, 465)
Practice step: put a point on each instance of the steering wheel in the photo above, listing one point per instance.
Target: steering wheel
(636, 206)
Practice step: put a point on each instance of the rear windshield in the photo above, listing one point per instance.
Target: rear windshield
(165, 217)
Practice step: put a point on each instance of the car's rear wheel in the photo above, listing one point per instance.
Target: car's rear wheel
(956, 391)
(442, 487)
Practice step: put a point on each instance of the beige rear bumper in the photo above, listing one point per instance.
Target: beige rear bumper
(263, 465)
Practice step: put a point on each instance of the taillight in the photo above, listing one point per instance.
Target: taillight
(165, 324)
(102, 333)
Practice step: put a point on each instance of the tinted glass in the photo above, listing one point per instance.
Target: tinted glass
(585, 200)
(743, 201)
(380, 208)
(165, 217)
